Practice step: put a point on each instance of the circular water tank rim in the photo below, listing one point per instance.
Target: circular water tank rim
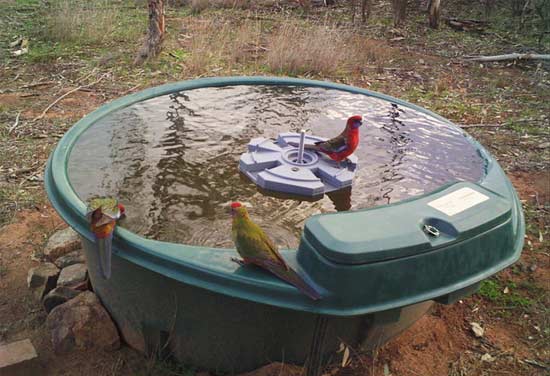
(147, 252)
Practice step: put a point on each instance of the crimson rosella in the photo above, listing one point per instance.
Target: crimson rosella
(343, 145)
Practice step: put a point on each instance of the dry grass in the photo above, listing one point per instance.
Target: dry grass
(198, 6)
(220, 44)
(82, 21)
(317, 49)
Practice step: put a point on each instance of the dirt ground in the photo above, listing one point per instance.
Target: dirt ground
(507, 104)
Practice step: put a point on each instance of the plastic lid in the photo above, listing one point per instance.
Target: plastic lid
(452, 214)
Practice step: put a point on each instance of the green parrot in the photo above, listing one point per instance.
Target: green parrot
(255, 247)
(102, 214)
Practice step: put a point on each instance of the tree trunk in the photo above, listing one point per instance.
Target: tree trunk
(365, 10)
(399, 11)
(434, 13)
(155, 34)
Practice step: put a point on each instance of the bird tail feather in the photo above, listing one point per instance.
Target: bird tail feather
(306, 146)
(105, 252)
(290, 276)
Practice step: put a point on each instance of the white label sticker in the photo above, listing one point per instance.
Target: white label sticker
(458, 201)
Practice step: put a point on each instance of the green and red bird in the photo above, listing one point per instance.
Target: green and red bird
(103, 214)
(343, 145)
(256, 248)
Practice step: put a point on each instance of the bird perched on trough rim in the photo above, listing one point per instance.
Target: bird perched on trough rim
(103, 213)
(256, 248)
(343, 145)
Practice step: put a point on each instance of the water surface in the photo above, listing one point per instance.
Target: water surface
(173, 160)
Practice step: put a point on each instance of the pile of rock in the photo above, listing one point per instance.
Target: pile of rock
(76, 319)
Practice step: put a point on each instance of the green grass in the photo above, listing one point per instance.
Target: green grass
(493, 290)
(3, 270)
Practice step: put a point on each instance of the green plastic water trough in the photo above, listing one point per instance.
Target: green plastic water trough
(379, 269)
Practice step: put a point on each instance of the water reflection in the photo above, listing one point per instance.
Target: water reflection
(173, 160)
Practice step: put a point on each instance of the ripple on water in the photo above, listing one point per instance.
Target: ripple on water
(173, 160)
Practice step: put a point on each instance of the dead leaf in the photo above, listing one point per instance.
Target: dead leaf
(20, 52)
(477, 329)
(16, 42)
(506, 290)
(345, 357)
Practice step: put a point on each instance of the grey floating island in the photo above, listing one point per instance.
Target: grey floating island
(283, 165)
(379, 269)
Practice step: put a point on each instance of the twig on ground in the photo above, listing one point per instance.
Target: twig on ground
(64, 95)
(536, 364)
(131, 89)
(29, 86)
(86, 76)
(12, 128)
(513, 56)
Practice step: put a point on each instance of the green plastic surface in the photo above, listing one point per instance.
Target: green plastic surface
(394, 231)
(391, 265)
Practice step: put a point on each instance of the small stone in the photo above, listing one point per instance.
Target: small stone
(42, 278)
(71, 258)
(72, 275)
(58, 296)
(477, 329)
(487, 358)
(18, 358)
(81, 324)
(533, 268)
(40, 274)
(61, 243)
(544, 145)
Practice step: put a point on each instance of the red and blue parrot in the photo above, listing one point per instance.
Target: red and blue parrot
(103, 214)
(343, 145)
(256, 248)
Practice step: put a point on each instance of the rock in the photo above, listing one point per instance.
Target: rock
(82, 323)
(71, 258)
(72, 275)
(42, 278)
(477, 329)
(58, 296)
(61, 243)
(544, 145)
(487, 358)
(18, 358)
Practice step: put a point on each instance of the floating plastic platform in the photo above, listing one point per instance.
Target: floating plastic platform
(284, 165)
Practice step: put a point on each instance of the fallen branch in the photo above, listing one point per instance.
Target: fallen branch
(38, 84)
(513, 56)
(466, 25)
(12, 128)
(64, 95)
(536, 364)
